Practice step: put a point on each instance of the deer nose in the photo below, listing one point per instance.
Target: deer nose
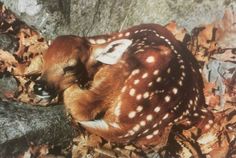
(43, 90)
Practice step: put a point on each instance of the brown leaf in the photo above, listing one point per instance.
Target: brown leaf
(178, 31)
(205, 36)
(7, 61)
(94, 141)
(35, 66)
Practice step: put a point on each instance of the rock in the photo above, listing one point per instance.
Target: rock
(8, 85)
(22, 125)
(83, 17)
(8, 43)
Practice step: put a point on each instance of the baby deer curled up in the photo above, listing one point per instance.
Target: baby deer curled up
(142, 81)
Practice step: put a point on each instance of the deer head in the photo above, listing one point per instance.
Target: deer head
(62, 65)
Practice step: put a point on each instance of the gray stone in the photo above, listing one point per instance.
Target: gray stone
(22, 125)
(7, 84)
(92, 17)
(8, 42)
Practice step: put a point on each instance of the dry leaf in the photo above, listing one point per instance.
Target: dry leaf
(206, 36)
(35, 66)
(7, 61)
(177, 31)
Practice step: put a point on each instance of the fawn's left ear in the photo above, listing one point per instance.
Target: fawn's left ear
(113, 51)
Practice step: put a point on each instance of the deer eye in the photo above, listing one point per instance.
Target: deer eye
(69, 68)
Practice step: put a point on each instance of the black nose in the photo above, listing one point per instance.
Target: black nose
(42, 90)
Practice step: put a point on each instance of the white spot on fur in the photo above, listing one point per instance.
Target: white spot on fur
(132, 92)
(188, 122)
(132, 114)
(150, 84)
(180, 83)
(175, 90)
(166, 116)
(191, 102)
(157, 109)
(150, 59)
(92, 41)
(149, 136)
(145, 75)
(123, 89)
(131, 132)
(204, 110)
(182, 66)
(146, 95)
(168, 70)
(158, 79)
(167, 98)
(145, 131)
(155, 125)
(100, 41)
(156, 72)
(143, 123)
(162, 37)
(136, 127)
(138, 97)
(134, 72)
(210, 122)
(155, 132)
(176, 120)
(127, 34)
(126, 135)
(120, 35)
(149, 117)
(136, 81)
(139, 108)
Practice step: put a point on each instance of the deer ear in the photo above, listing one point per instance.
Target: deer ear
(113, 51)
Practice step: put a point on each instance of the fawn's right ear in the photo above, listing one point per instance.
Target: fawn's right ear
(113, 51)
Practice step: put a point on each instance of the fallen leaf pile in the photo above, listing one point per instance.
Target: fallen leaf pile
(213, 45)
(25, 63)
